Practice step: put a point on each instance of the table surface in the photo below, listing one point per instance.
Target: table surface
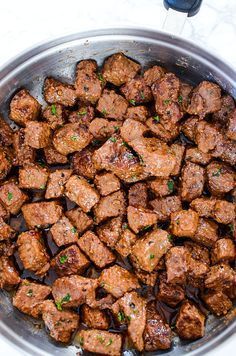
(23, 24)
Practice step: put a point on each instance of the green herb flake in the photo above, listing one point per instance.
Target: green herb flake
(129, 156)
(217, 173)
(116, 128)
(180, 99)
(112, 139)
(96, 142)
(121, 316)
(129, 317)
(156, 118)
(100, 77)
(81, 340)
(146, 227)
(109, 342)
(9, 196)
(101, 339)
(74, 138)
(73, 230)
(231, 228)
(166, 102)
(125, 144)
(142, 95)
(53, 109)
(42, 186)
(170, 237)
(104, 112)
(132, 101)
(82, 112)
(125, 226)
(102, 284)
(30, 293)
(170, 185)
(65, 299)
(42, 164)
(151, 256)
(63, 259)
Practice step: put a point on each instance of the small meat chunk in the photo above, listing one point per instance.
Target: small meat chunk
(107, 183)
(6, 231)
(153, 74)
(91, 245)
(224, 212)
(63, 232)
(207, 136)
(148, 250)
(117, 281)
(204, 206)
(190, 322)
(184, 223)
(118, 69)
(227, 107)
(169, 293)
(146, 278)
(54, 115)
(138, 113)
(24, 108)
(23, 152)
(197, 271)
(217, 302)
(189, 127)
(94, 318)
(192, 181)
(177, 259)
(225, 150)
(110, 231)
(32, 252)
(223, 250)
(71, 138)
(140, 218)
(138, 195)
(4, 214)
(11, 197)
(5, 163)
(6, 133)
(79, 219)
(164, 207)
(42, 213)
(198, 252)
(82, 163)
(220, 178)
(33, 176)
(231, 126)
(81, 192)
(136, 91)
(102, 128)
(70, 261)
(56, 92)
(162, 186)
(157, 334)
(29, 297)
(61, 324)
(194, 155)
(37, 134)
(53, 156)
(125, 243)
(9, 277)
(110, 206)
(112, 105)
(87, 83)
(184, 97)
(207, 232)
(132, 130)
(7, 248)
(56, 183)
(84, 115)
(220, 277)
(100, 342)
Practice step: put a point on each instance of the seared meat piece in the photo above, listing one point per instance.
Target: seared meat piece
(125, 243)
(56, 92)
(166, 129)
(146, 278)
(164, 207)
(70, 261)
(157, 334)
(118, 69)
(225, 150)
(61, 324)
(205, 99)
(147, 251)
(207, 136)
(6, 133)
(184, 97)
(87, 83)
(71, 138)
(6, 231)
(54, 115)
(82, 163)
(91, 245)
(140, 219)
(109, 232)
(194, 155)
(100, 342)
(189, 127)
(192, 181)
(138, 113)
(197, 271)
(184, 223)
(190, 322)
(223, 250)
(56, 183)
(63, 232)
(138, 195)
(32, 252)
(11, 197)
(198, 252)
(227, 107)
(29, 297)
(81, 192)
(162, 186)
(102, 128)
(41, 214)
(220, 178)
(217, 302)
(94, 318)
(107, 183)
(84, 115)
(117, 281)
(33, 176)
(53, 156)
(231, 126)
(5, 163)
(110, 206)
(153, 74)
(204, 206)
(221, 277)
(206, 233)
(24, 108)
(132, 130)
(7, 248)
(136, 91)
(112, 105)
(4, 214)
(23, 153)
(37, 134)
(133, 307)
(224, 212)
(79, 219)
(177, 259)
(9, 277)
(169, 293)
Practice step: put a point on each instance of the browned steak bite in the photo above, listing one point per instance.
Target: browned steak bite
(136, 91)
(102, 128)
(54, 115)
(29, 297)
(227, 107)
(79, 219)
(56, 183)
(184, 223)
(41, 214)
(132, 130)
(126, 241)
(6, 133)
(138, 195)
(110, 231)
(194, 155)
(139, 113)
(94, 318)
(12, 197)
(190, 322)
(88, 84)
(37, 134)
(6, 231)
(192, 181)
(223, 250)
(207, 136)
(112, 105)
(9, 277)
(177, 263)
(198, 252)
(225, 150)
(84, 115)
(189, 127)
(23, 153)
(107, 183)
(61, 324)
(70, 261)
(164, 207)
(166, 129)
(204, 206)
(169, 293)
(33, 176)
(6, 161)
(4, 214)
(91, 245)
(224, 212)
(63, 232)
(153, 74)
(217, 302)
(140, 218)
(32, 252)
(24, 108)
(184, 95)
(110, 206)
(221, 277)
(82, 163)
(118, 69)
(56, 92)
(220, 177)
(162, 186)
(207, 232)
(53, 156)
(231, 126)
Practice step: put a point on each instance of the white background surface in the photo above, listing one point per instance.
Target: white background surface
(24, 23)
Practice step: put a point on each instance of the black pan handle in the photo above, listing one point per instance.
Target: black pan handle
(191, 7)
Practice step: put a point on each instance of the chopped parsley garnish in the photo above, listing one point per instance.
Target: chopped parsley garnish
(104, 112)
(121, 316)
(53, 109)
(65, 299)
(81, 340)
(177, 221)
(142, 95)
(231, 227)
(151, 256)
(74, 230)
(82, 112)
(102, 284)
(125, 226)
(125, 144)
(170, 185)
(30, 293)
(101, 339)
(42, 187)
(170, 237)
(129, 317)
(217, 173)
(116, 128)
(74, 138)
(132, 101)
(112, 139)
(42, 164)
(166, 102)
(156, 118)
(130, 156)
(96, 142)
(63, 259)
(100, 77)
(146, 227)
(180, 99)
(9, 196)
(109, 342)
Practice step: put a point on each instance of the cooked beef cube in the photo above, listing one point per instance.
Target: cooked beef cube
(112, 105)
(136, 91)
(133, 307)
(29, 297)
(23, 153)
(207, 136)
(157, 334)
(139, 113)
(190, 322)
(231, 126)
(138, 195)
(82, 163)
(224, 212)
(220, 277)
(79, 219)
(7, 248)
(226, 151)
(9, 277)
(41, 214)
(56, 92)
(4, 214)
(32, 252)
(56, 183)
(166, 129)
(117, 281)
(33, 176)
(6, 133)
(204, 206)
(70, 261)
(6, 231)
(148, 250)
(54, 115)
(206, 233)
(100, 342)
(12, 197)
(71, 138)
(227, 107)
(109, 232)
(24, 108)
(205, 99)
(91, 245)
(84, 115)
(162, 186)
(177, 264)
(169, 293)
(37, 134)
(81, 192)
(118, 69)
(220, 178)
(223, 250)
(132, 130)
(94, 318)
(110, 206)
(5, 163)
(198, 252)
(107, 183)
(125, 243)
(192, 181)
(102, 128)
(53, 156)
(197, 271)
(146, 278)
(189, 127)
(184, 97)
(153, 74)
(217, 302)
(140, 219)
(164, 207)
(61, 324)
(87, 83)
(184, 223)
(63, 232)
(194, 155)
